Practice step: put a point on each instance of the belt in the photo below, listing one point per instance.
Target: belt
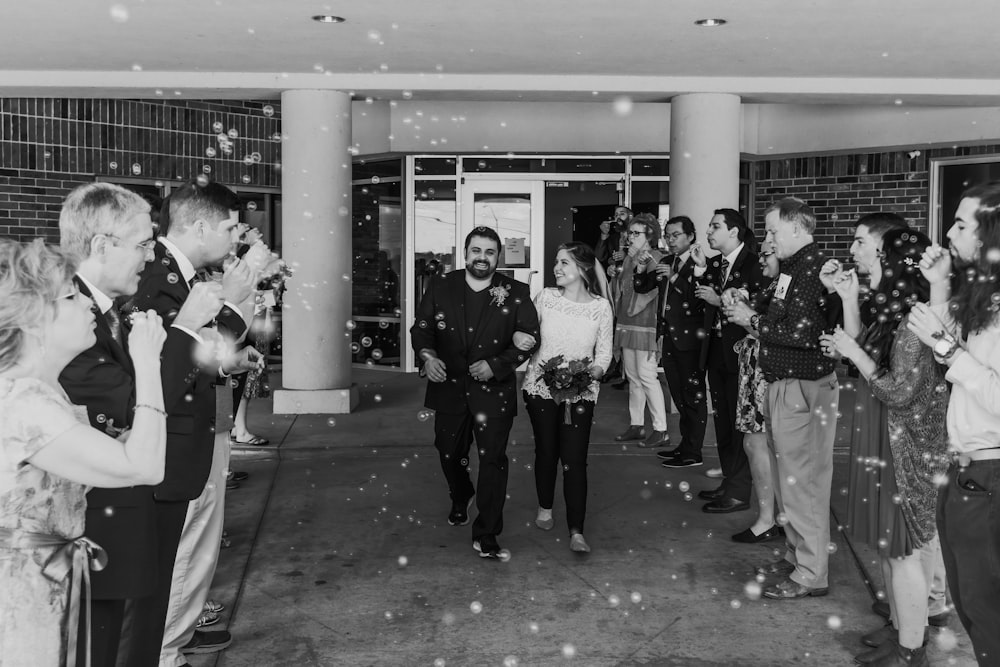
(77, 556)
(965, 459)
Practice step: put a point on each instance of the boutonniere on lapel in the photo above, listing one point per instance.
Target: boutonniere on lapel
(499, 294)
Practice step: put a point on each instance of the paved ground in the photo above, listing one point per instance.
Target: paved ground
(342, 556)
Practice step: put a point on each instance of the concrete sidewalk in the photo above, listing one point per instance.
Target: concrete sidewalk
(342, 555)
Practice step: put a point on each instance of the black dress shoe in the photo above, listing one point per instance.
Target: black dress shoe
(459, 515)
(632, 433)
(725, 506)
(747, 536)
(667, 453)
(713, 494)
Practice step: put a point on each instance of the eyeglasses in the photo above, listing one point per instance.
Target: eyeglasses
(636, 233)
(148, 246)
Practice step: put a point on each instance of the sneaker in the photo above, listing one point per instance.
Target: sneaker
(578, 544)
(681, 462)
(488, 547)
(206, 619)
(459, 515)
(214, 607)
(544, 519)
(207, 642)
(714, 473)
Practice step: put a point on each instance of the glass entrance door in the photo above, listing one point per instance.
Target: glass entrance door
(514, 208)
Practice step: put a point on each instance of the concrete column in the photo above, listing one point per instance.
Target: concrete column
(316, 243)
(704, 156)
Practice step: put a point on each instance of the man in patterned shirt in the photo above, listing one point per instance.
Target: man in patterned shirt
(801, 408)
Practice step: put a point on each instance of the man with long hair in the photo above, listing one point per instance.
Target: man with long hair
(963, 330)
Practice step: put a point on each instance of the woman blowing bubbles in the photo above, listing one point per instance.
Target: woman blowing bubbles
(576, 323)
(50, 453)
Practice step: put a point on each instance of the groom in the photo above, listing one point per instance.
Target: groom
(465, 332)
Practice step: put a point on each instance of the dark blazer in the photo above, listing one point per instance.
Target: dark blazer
(684, 317)
(440, 326)
(746, 274)
(188, 389)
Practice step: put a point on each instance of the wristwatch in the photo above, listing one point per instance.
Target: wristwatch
(945, 347)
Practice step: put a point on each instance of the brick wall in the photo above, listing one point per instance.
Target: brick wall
(840, 188)
(48, 146)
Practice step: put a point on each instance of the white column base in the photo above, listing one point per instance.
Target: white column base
(316, 401)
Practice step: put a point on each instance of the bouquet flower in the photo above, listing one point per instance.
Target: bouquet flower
(566, 380)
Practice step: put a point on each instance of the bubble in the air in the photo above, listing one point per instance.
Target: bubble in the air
(136, 168)
(218, 127)
(684, 487)
(735, 604)
(636, 597)
(276, 137)
(255, 157)
(568, 650)
(232, 133)
(247, 160)
(403, 561)
(346, 277)
(688, 497)
(407, 95)
(378, 398)
(268, 110)
(366, 341)
(109, 511)
(993, 255)
(623, 105)
(383, 324)
(832, 547)
(112, 165)
(376, 180)
(476, 607)
(510, 661)
(210, 152)
(946, 639)
(833, 622)
(752, 590)
(331, 422)
(207, 168)
(423, 415)
(376, 354)
(119, 13)
(533, 627)
(246, 178)
(614, 600)
(349, 325)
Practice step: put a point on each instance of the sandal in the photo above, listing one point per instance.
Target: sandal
(254, 440)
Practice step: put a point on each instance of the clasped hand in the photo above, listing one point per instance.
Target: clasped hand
(145, 340)
(838, 344)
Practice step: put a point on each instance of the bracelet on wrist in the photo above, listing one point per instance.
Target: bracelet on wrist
(151, 407)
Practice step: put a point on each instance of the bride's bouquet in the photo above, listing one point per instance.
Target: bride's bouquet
(566, 380)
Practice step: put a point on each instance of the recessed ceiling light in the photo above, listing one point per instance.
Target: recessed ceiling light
(327, 18)
(709, 23)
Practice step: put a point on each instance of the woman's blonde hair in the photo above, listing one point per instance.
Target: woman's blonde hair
(32, 277)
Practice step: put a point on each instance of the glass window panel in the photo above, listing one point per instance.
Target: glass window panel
(379, 169)
(435, 166)
(648, 166)
(434, 228)
(377, 243)
(510, 216)
(567, 165)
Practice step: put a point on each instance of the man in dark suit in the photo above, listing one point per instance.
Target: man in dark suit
(680, 322)
(203, 230)
(464, 334)
(108, 229)
(735, 266)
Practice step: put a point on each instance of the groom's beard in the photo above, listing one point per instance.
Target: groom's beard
(479, 269)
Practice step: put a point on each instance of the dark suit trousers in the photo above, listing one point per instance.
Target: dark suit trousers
(724, 387)
(557, 442)
(686, 382)
(149, 614)
(106, 617)
(453, 435)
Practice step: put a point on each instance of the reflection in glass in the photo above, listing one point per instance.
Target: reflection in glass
(510, 216)
(434, 226)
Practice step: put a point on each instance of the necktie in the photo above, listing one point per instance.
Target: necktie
(115, 324)
(675, 268)
(723, 279)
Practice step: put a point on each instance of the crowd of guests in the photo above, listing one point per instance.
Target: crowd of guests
(767, 330)
(113, 480)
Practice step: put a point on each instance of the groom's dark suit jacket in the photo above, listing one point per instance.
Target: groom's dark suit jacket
(440, 325)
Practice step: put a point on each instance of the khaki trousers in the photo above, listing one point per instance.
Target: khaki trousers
(801, 420)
